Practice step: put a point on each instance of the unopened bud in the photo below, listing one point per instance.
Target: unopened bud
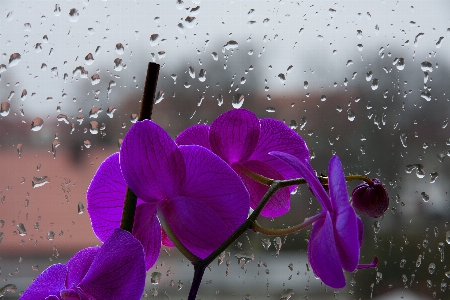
(370, 200)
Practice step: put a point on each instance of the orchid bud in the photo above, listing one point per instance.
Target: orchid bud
(370, 200)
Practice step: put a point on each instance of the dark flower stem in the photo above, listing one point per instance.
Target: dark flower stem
(148, 98)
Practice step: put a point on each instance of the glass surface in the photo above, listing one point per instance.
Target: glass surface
(365, 80)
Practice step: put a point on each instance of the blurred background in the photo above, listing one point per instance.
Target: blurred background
(365, 80)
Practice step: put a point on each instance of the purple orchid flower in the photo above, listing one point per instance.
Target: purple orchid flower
(199, 196)
(244, 142)
(337, 235)
(114, 271)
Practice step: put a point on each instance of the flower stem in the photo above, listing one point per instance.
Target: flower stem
(285, 231)
(148, 97)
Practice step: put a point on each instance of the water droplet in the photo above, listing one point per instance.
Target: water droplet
(2, 68)
(282, 77)
(27, 27)
(154, 39)
(89, 59)
(159, 97)
(50, 235)
(57, 10)
(93, 127)
(95, 79)
(400, 63)
(180, 27)
(244, 258)
(191, 72)
(220, 99)
(215, 56)
(369, 76)
(403, 138)
(80, 208)
(119, 65)
(438, 43)
(37, 124)
(360, 47)
(22, 230)
(4, 109)
(374, 84)
(350, 115)
(14, 59)
(416, 39)
(270, 109)
(420, 172)
(62, 118)
(431, 268)
(230, 45)
(87, 144)
(433, 176)
(93, 113)
(180, 4)
(190, 21)
(426, 66)
(39, 181)
(237, 101)
(402, 263)
(10, 16)
(73, 15)
(202, 75)
(323, 98)
(425, 197)
(19, 151)
(120, 48)
(286, 294)
(359, 34)
(155, 278)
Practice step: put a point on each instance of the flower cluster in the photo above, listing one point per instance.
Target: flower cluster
(208, 175)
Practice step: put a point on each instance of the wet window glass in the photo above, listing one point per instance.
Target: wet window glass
(364, 80)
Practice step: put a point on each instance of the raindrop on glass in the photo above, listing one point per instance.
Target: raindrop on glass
(73, 15)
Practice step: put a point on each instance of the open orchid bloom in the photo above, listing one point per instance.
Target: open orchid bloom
(114, 271)
(200, 197)
(336, 238)
(244, 142)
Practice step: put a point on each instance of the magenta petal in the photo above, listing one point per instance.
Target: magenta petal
(118, 270)
(165, 240)
(360, 231)
(79, 265)
(322, 254)
(279, 204)
(346, 224)
(211, 181)
(50, 282)
(277, 136)
(234, 135)
(147, 230)
(105, 198)
(194, 135)
(151, 163)
(305, 170)
(198, 227)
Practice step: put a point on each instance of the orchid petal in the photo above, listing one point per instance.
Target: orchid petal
(322, 254)
(165, 240)
(360, 231)
(49, 283)
(211, 181)
(198, 227)
(346, 224)
(279, 204)
(105, 198)
(312, 180)
(118, 270)
(79, 265)
(277, 136)
(234, 135)
(147, 230)
(151, 163)
(194, 135)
